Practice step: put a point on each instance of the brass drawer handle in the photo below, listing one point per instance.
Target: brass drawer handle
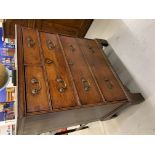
(91, 49)
(70, 62)
(49, 61)
(72, 48)
(35, 91)
(86, 84)
(62, 84)
(36, 86)
(50, 44)
(108, 83)
(30, 42)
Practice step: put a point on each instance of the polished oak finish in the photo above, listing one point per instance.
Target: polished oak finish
(71, 27)
(64, 81)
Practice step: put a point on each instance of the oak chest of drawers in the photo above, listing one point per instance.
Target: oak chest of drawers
(64, 81)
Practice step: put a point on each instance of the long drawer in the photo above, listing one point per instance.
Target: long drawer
(106, 80)
(61, 86)
(84, 82)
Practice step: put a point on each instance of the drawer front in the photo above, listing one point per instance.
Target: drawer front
(31, 47)
(61, 86)
(84, 82)
(108, 84)
(36, 91)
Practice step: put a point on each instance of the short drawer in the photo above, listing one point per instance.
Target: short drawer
(31, 47)
(36, 90)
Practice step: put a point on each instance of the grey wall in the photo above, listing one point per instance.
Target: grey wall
(132, 54)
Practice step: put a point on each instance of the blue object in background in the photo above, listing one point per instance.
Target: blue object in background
(1, 34)
(2, 116)
(7, 111)
(4, 47)
(3, 44)
(3, 95)
(6, 64)
(3, 92)
(8, 45)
